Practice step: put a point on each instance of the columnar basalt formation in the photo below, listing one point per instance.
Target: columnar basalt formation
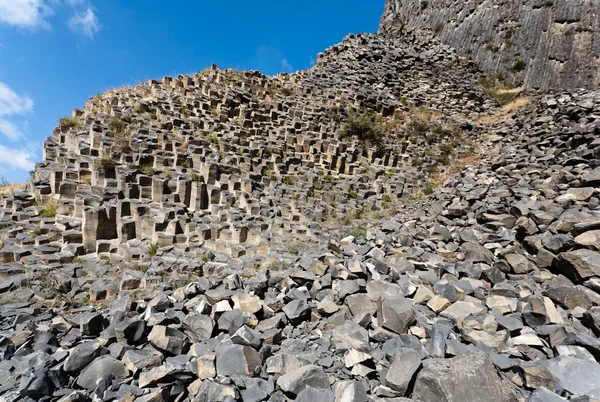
(216, 160)
(538, 44)
(199, 238)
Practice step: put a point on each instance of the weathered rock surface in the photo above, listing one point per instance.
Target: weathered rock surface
(545, 45)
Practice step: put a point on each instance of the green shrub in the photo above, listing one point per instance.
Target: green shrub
(359, 232)
(77, 260)
(195, 177)
(152, 249)
(519, 65)
(428, 191)
(116, 125)
(213, 139)
(493, 85)
(142, 268)
(366, 128)
(352, 194)
(107, 164)
(148, 170)
(49, 210)
(69, 122)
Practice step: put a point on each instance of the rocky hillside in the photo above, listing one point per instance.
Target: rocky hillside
(538, 44)
(374, 229)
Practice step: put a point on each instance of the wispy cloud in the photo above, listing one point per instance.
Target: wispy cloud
(12, 104)
(29, 14)
(286, 66)
(34, 14)
(85, 23)
(16, 159)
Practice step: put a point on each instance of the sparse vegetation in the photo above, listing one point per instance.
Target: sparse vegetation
(77, 260)
(195, 177)
(107, 164)
(49, 210)
(519, 65)
(116, 125)
(367, 128)
(69, 122)
(493, 86)
(359, 232)
(4, 302)
(352, 194)
(152, 249)
(141, 268)
(295, 248)
(213, 139)
(118, 129)
(7, 187)
(148, 170)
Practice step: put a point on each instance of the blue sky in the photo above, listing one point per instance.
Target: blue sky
(55, 54)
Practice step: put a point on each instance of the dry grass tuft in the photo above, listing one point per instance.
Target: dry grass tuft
(8, 188)
(505, 111)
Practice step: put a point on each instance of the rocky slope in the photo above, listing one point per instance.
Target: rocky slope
(539, 44)
(328, 235)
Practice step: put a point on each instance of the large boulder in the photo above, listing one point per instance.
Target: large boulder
(468, 378)
(579, 264)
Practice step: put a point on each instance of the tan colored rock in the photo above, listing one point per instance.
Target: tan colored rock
(438, 304)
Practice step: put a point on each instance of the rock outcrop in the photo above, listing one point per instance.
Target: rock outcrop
(538, 44)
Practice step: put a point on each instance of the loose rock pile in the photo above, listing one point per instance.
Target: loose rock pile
(487, 290)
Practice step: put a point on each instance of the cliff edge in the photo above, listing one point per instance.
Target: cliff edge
(541, 44)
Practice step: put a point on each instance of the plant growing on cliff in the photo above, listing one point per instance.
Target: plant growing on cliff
(107, 164)
(519, 65)
(152, 249)
(69, 122)
(367, 128)
(49, 210)
(148, 170)
(493, 86)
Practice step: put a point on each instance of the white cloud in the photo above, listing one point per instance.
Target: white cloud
(85, 22)
(14, 159)
(11, 103)
(286, 65)
(9, 129)
(29, 14)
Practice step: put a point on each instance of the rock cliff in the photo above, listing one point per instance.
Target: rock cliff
(540, 44)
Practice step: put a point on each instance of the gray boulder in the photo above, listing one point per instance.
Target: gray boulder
(307, 376)
(468, 378)
(99, 369)
(237, 359)
(579, 264)
(579, 377)
(396, 314)
(404, 367)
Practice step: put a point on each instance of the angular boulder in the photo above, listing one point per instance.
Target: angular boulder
(468, 378)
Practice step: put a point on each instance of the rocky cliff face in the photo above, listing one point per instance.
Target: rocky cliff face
(541, 44)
